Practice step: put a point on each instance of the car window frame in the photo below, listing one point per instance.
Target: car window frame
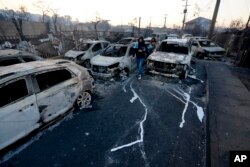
(28, 85)
(35, 82)
(30, 57)
(95, 46)
(11, 58)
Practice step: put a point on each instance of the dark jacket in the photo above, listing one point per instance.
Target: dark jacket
(141, 50)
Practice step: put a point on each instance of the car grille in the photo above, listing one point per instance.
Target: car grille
(99, 69)
(163, 67)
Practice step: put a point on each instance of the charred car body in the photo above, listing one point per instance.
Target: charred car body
(116, 60)
(36, 93)
(206, 48)
(172, 58)
(82, 53)
(11, 56)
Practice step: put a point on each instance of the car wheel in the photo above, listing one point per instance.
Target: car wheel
(124, 74)
(200, 56)
(84, 100)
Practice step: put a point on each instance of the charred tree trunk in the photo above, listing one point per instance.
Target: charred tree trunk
(19, 26)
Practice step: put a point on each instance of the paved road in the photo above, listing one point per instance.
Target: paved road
(148, 122)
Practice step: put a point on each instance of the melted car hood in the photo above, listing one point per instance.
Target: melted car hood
(104, 60)
(213, 49)
(74, 53)
(170, 58)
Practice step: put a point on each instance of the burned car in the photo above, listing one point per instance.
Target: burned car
(172, 58)
(116, 60)
(36, 93)
(11, 56)
(83, 52)
(205, 48)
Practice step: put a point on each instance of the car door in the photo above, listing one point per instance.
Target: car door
(19, 113)
(96, 49)
(55, 92)
(132, 58)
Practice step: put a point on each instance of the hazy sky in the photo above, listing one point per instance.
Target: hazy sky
(124, 11)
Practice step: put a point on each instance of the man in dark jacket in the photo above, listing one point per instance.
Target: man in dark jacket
(141, 52)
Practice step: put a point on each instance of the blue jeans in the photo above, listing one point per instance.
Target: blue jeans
(140, 62)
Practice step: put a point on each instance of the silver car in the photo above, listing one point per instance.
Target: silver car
(172, 58)
(86, 50)
(36, 93)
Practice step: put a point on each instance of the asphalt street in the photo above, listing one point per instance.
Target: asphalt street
(150, 122)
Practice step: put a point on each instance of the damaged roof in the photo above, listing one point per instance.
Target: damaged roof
(27, 68)
(177, 41)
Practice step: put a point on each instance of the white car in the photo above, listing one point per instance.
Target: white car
(36, 93)
(172, 58)
(116, 60)
(206, 48)
(82, 53)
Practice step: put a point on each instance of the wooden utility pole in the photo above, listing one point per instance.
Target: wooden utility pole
(184, 15)
(248, 21)
(139, 33)
(165, 18)
(216, 9)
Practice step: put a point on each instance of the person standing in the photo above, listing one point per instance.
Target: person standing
(141, 52)
(152, 46)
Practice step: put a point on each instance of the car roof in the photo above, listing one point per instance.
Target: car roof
(128, 38)
(116, 44)
(203, 39)
(30, 67)
(179, 41)
(13, 52)
(92, 41)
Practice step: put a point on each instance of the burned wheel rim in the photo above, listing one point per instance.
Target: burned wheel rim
(84, 100)
(124, 74)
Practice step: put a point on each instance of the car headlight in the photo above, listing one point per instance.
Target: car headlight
(150, 64)
(113, 66)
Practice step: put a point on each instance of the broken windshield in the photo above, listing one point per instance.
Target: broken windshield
(83, 47)
(207, 44)
(115, 51)
(173, 48)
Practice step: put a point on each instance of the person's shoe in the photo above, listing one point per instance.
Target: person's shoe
(139, 77)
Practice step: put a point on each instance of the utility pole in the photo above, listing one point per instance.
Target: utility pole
(139, 26)
(216, 9)
(248, 21)
(184, 15)
(150, 23)
(165, 21)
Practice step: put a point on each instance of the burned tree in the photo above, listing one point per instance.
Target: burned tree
(45, 10)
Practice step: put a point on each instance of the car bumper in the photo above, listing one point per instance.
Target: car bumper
(163, 74)
(102, 75)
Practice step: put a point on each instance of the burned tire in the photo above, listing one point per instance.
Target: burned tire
(200, 56)
(84, 100)
(124, 74)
